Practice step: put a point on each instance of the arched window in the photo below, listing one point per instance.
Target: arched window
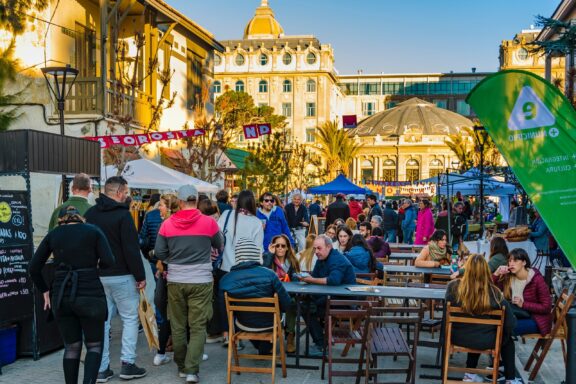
(217, 87)
(263, 86)
(367, 169)
(435, 167)
(310, 86)
(287, 59)
(239, 86)
(240, 59)
(287, 86)
(263, 59)
(311, 58)
(217, 59)
(412, 170)
(389, 170)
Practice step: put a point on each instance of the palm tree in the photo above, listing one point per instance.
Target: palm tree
(466, 147)
(336, 148)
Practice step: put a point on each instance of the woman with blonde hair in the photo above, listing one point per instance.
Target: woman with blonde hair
(308, 257)
(352, 225)
(477, 295)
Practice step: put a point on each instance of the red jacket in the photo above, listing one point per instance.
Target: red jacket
(537, 300)
(355, 209)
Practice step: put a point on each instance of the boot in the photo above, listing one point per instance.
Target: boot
(291, 345)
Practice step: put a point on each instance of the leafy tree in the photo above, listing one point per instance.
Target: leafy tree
(267, 166)
(336, 147)
(8, 67)
(14, 13)
(306, 167)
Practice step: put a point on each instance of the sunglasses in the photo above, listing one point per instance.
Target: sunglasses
(268, 200)
(283, 246)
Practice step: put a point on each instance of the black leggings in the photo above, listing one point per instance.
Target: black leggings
(84, 317)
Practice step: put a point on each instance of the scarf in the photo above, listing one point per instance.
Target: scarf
(281, 270)
(437, 253)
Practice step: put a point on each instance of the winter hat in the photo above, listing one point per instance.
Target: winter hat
(247, 250)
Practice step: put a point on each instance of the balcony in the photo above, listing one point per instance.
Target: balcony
(85, 98)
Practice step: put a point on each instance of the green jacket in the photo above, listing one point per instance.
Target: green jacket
(80, 203)
(496, 261)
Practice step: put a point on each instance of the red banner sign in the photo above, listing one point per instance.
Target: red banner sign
(144, 138)
(349, 121)
(253, 131)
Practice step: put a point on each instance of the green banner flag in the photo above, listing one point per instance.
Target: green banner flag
(534, 127)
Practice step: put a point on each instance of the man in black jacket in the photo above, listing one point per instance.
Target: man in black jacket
(298, 220)
(122, 281)
(337, 210)
(374, 207)
(389, 223)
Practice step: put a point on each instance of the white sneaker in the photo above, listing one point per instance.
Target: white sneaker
(192, 378)
(214, 339)
(161, 359)
(182, 375)
(515, 381)
(472, 378)
(204, 357)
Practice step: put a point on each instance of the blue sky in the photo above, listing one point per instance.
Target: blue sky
(390, 36)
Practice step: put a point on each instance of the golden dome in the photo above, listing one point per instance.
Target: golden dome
(263, 25)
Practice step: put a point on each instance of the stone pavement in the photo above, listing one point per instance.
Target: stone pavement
(48, 369)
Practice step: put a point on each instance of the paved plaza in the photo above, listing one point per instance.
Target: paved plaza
(48, 369)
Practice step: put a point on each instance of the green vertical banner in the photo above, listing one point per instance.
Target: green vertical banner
(534, 127)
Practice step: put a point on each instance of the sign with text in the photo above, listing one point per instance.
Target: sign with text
(15, 254)
(534, 127)
(144, 138)
(349, 121)
(254, 131)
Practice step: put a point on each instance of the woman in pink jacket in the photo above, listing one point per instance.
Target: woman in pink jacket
(424, 223)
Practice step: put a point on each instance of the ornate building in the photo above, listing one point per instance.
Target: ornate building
(293, 74)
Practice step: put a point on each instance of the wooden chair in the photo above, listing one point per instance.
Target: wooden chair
(395, 279)
(386, 340)
(432, 323)
(274, 335)
(455, 315)
(367, 279)
(344, 325)
(559, 332)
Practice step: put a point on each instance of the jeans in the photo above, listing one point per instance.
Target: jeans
(314, 316)
(189, 306)
(121, 295)
(390, 236)
(300, 239)
(408, 235)
(525, 326)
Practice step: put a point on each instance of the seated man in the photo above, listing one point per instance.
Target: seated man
(332, 268)
(248, 279)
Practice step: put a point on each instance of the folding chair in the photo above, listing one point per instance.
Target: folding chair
(274, 334)
(456, 315)
(344, 325)
(559, 332)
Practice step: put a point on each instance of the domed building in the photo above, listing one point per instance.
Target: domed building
(405, 143)
(263, 25)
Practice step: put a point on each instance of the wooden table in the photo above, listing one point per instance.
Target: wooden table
(411, 269)
(410, 256)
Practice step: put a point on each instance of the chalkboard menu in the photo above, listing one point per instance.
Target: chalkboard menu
(15, 253)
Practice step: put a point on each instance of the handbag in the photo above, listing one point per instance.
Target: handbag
(520, 313)
(216, 264)
(148, 321)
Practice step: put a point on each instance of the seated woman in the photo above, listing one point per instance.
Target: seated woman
(498, 254)
(436, 253)
(360, 255)
(476, 294)
(280, 258)
(307, 257)
(526, 289)
(380, 248)
(247, 279)
(343, 237)
(331, 232)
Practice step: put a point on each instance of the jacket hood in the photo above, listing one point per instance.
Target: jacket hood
(357, 250)
(245, 265)
(105, 203)
(185, 218)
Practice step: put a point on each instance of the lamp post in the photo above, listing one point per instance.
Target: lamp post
(455, 166)
(397, 137)
(63, 78)
(481, 136)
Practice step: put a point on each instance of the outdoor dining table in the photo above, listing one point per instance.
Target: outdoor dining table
(353, 291)
(412, 269)
(410, 256)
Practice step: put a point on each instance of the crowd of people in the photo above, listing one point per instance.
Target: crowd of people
(197, 250)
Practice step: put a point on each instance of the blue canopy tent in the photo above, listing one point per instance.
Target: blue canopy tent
(339, 185)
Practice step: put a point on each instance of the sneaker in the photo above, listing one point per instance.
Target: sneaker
(515, 381)
(214, 339)
(182, 375)
(104, 376)
(131, 371)
(161, 359)
(226, 341)
(192, 378)
(500, 377)
(316, 351)
(204, 357)
(472, 378)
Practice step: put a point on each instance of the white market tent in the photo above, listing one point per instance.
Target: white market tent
(147, 174)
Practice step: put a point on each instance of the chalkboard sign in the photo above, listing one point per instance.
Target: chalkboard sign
(16, 300)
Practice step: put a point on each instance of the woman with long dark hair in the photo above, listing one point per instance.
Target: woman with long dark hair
(343, 237)
(498, 253)
(360, 255)
(76, 296)
(436, 253)
(380, 248)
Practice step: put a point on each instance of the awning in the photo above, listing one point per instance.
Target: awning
(237, 157)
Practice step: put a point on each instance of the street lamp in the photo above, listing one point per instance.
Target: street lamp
(481, 137)
(397, 137)
(455, 167)
(64, 78)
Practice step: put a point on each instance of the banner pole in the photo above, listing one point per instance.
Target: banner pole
(571, 341)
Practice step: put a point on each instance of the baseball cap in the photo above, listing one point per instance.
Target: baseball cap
(187, 193)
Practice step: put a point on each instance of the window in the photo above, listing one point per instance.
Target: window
(389, 170)
(310, 109)
(217, 59)
(263, 59)
(368, 108)
(310, 86)
(310, 135)
(369, 88)
(391, 104)
(240, 59)
(462, 87)
(287, 109)
(349, 88)
(287, 86)
(392, 88)
(239, 86)
(217, 87)
(462, 108)
(522, 54)
(412, 170)
(263, 86)
(441, 103)
(435, 167)
(416, 88)
(367, 170)
(287, 59)
(440, 88)
(260, 105)
(311, 58)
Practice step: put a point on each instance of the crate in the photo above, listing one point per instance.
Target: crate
(7, 345)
